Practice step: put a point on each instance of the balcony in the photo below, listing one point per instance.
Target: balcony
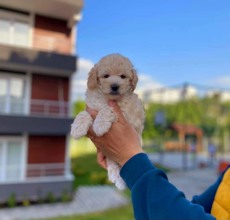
(49, 43)
(12, 173)
(49, 108)
(36, 181)
(63, 9)
(25, 59)
(40, 117)
(44, 171)
(38, 107)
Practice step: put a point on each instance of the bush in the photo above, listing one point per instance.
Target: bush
(50, 197)
(65, 197)
(26, 202)
(11, 202)
(98, 178)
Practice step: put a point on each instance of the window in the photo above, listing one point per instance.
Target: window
(12, 94)
(12, 159)
(14, 29)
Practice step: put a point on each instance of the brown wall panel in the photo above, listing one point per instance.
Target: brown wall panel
(46, 149)
(52, 34)
(50, 88)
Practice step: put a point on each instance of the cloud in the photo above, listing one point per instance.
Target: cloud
(146, 83)
(222, 81)
(79, 79)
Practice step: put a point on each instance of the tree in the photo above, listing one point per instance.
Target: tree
(78, 106)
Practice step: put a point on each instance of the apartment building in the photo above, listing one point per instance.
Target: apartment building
(37, 59)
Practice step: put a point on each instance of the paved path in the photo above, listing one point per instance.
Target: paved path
(87, 199)
(179, 161)
(193, 182)
(186, 174)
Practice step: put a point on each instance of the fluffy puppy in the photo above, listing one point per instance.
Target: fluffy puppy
(112, 78)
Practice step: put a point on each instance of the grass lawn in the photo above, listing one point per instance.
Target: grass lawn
(122, 213)
(87, 172)
(81, 147)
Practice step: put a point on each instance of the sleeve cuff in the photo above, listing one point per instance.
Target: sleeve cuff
(134, 168)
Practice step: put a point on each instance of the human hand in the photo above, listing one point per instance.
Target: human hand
(121, 142)
(101, 159)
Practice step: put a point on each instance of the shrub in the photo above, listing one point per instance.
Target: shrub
(65, 197)
(26, 202)
(11, 202)
(50, 197)
(98, 178)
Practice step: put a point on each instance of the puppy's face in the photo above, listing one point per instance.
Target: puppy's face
(114, 76)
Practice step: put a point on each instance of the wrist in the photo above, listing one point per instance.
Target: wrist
(128, 156)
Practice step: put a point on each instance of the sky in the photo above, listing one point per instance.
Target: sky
(169, 42)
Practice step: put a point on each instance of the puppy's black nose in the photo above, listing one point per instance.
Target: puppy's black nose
(114, 87)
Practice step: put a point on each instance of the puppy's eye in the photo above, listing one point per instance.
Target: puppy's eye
(123, 76)
(106, 76)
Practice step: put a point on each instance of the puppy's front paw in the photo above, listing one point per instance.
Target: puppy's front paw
(100, 128)
(81, 125)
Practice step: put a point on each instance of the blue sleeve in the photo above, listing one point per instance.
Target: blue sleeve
(153, 197)
(207, 197)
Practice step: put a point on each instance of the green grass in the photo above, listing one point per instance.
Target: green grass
(121, 213)
(84, 164)
(81, 147)
(87, 172)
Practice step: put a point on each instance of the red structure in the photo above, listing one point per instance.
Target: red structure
(183, 130)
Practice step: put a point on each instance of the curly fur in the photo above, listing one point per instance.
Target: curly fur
(112, 78)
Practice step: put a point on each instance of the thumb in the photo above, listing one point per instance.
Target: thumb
(92, 112)
(117, 110)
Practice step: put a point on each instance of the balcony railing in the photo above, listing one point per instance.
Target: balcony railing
(33, 171)
(49, 43)
(47, 170)
(49, 108)
(37, 107)
(10, 105)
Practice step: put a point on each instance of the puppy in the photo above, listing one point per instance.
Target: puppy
(112, 78)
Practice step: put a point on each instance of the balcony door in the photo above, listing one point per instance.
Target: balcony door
(12, 94)
(12, 159)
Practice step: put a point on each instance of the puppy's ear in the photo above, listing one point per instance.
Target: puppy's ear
(134, 79)
(92, 78)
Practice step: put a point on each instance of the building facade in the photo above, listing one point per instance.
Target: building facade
(37, 59)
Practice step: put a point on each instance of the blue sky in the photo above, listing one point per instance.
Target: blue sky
(169, 42)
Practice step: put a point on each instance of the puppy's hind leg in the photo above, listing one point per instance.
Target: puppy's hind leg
(81, 125)
(103, 121)
(114, 174)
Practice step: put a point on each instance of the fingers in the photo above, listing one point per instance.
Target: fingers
(101, 159)
(117, 110)
(92, 112)
(91, 134)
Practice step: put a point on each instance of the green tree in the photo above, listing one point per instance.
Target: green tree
(78, 106)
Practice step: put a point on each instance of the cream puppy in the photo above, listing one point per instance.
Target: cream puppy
(112, 78)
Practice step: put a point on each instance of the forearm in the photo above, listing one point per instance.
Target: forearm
(153, 196)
